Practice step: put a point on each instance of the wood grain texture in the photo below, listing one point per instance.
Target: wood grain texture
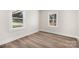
(43, 40)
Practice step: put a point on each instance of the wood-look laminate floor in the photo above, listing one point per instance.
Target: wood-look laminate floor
(42, 40)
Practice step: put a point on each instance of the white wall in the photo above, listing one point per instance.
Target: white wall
(67, 20)
(30, 23)
(78, 24)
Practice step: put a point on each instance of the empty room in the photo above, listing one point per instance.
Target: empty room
(39, 28)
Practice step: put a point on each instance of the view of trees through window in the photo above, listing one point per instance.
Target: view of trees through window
(17, 17)
(52, 19)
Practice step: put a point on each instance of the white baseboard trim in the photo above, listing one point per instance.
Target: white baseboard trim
(15, 38)
(12, 39)
(73, 36)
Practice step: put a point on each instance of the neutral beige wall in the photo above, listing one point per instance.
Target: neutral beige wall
(30, 23)
(78, 24)
(67, 20)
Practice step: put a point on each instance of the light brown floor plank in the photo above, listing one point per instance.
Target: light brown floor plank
(43, 40)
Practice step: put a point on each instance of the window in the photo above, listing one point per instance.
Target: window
(17, 19)
(52, 21)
